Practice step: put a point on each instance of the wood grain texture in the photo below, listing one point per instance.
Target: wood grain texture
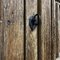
(57, 34)
(1, 32)
(0, 9)
(31, 36)
(59, 28)
(53, 39)
(46, 29)
(13, 29)
(1, 41)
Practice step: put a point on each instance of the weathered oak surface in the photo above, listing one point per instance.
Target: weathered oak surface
(59, 28)
(57, 32)
(16, 37)
(31, 36)
(13, 29)
(46, 29)
(1, 41)
(53, 27)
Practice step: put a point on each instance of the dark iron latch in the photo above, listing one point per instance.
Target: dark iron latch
(33, 21)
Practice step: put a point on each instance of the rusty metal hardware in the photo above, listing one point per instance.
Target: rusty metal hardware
(33, 21)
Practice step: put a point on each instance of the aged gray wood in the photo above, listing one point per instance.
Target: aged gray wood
(0, 9)
(31, 36)
(1, 33)
(57, 34)
(1, 41)
(13, 29)
(53, 40)
(46, 30)
(59, 28)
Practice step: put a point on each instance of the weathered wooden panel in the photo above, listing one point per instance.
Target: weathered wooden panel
(31, 36)
(46, 29)
(53, 27)
(1, 41)
(1, 32)
(57, 34)
(59, 28)
(13, 29)
(0, 9)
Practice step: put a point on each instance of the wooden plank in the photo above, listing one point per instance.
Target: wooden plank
(1, 32)
(1, 13)
(57, 34)
(59, 28)
(13, 29)
(45, 30)
(53, 40)
(0, 9)
(31, 36)
(1, 41)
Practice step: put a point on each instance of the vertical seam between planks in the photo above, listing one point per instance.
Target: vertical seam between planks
(51, 28)
(3, 27)
(24, 29)
(39, 30)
